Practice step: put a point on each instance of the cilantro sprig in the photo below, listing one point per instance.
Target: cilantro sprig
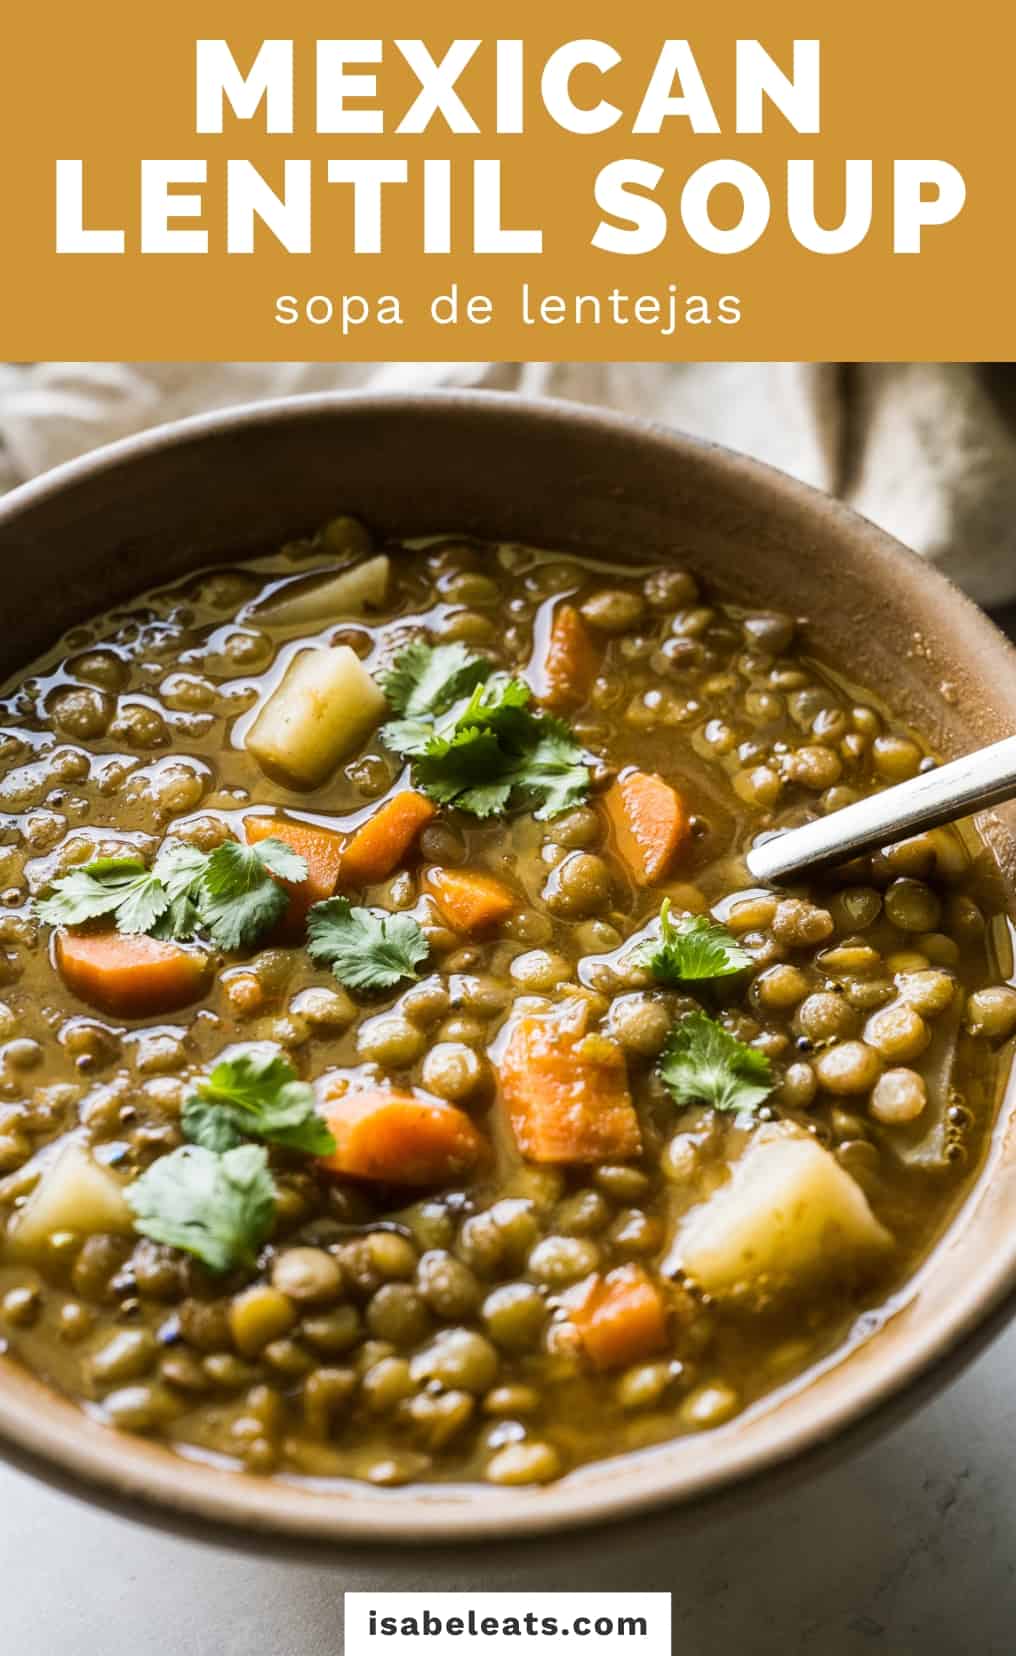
(366, 948)
(255, 1094)
(473, 737)
(239, 900)
(703, 1063)
(232, 893)
(120, 886)
(180, 869)
(425, 679)
(693, 951)
(217, 1207)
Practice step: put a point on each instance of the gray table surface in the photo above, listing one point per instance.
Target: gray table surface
(906, 1546)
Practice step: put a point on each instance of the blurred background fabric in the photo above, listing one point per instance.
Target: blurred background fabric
(927, 450)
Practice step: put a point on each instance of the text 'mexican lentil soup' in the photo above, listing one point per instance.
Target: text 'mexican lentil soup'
(400, 1076)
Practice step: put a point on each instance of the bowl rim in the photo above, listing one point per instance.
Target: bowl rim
(44, 1430)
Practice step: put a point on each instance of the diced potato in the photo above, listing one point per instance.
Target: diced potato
(322, 710)
(790, 1212)
(311, 600)
(75, 1193)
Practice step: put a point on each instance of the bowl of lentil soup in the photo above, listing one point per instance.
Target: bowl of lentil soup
(413, 1122)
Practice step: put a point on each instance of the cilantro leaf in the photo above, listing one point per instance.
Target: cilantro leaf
(141, 904)
(181, 868)
(408, 737)
(280, 859)
(239, 899)
(553, 771)
(467, 769)
(119, 886)
(255, 1095)
(501, 706)
(482, 749)
(703, 1063)
(366, 948)
(218, 1207)
(210, 1126)
(425, 679)
(480, 799)
(694, 950)
(79, 895)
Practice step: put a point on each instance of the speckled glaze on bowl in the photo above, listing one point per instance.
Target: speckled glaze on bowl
(144, 511)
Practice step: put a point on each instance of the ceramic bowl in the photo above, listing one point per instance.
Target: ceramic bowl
(144, 511)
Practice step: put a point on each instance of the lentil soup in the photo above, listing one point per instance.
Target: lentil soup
(401, 1078)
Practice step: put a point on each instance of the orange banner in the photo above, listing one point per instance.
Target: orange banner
(573, 181)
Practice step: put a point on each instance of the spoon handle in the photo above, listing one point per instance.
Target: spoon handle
(985, 777)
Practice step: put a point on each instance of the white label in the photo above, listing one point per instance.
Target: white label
(480, 1624)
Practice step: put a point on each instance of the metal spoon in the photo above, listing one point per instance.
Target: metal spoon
(972, 783)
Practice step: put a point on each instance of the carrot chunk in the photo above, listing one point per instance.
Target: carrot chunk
(566, 1092)
(131, 977)
(571, 661)
(320, 848)
(650, 824)
(380, 844)
(621, 1317)
(399, 1138)
(468, 901)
